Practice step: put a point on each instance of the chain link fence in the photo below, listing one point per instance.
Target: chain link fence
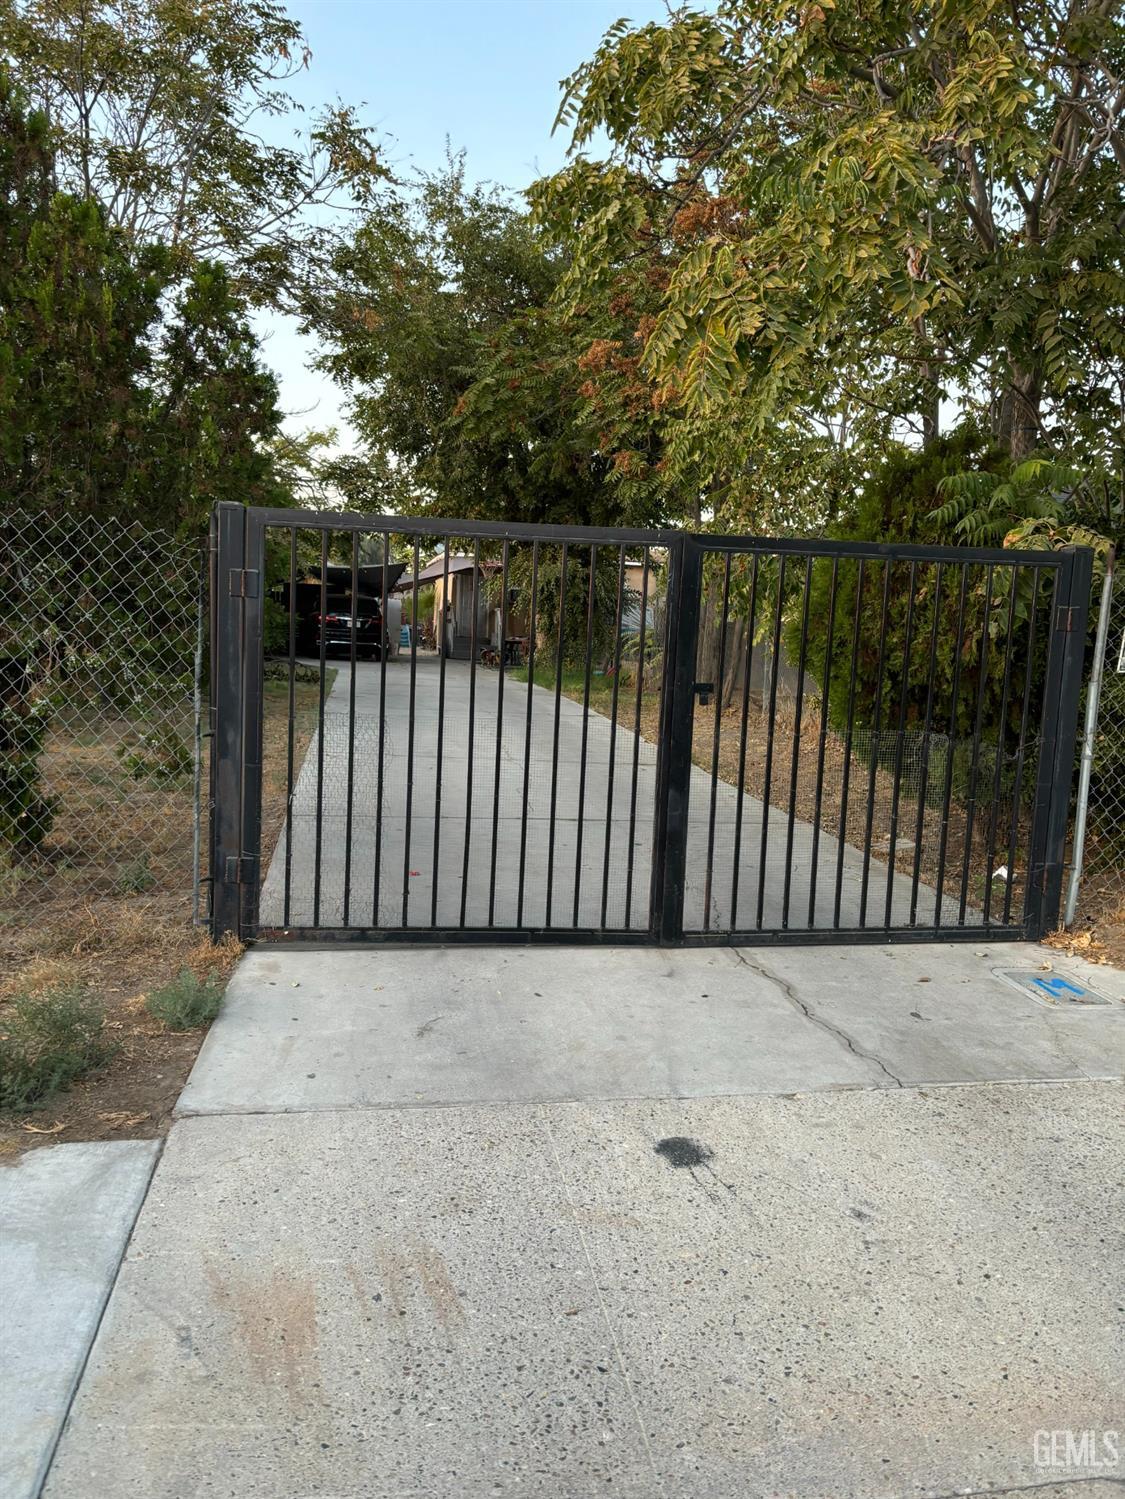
(101, 661)
(1101, 896)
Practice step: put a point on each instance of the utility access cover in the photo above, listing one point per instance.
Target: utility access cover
(1051, 988)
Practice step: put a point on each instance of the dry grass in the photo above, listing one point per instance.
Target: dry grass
(68, 920)
(788, 745)
(1099, 930)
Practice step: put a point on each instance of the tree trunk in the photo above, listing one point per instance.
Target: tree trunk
(931, 397)
(931, 429)
(1019, 412)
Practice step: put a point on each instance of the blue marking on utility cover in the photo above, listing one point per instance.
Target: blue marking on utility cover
(1051, 988)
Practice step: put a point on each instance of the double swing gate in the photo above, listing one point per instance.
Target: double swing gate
(593, 735)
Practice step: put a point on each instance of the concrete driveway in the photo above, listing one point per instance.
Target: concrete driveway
(448, 1224)
(606, 892)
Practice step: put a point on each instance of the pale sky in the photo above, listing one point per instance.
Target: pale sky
(482, 74)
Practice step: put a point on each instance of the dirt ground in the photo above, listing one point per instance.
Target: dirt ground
(1098, 933)
(121, 946)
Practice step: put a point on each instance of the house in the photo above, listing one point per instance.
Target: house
(455, 582)
(452, 582)
(641, 593)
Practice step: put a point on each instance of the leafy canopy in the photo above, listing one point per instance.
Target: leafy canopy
(926, 193)
(466, 384)
(161, 112)
(122, 389)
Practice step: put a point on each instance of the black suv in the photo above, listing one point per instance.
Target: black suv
(335, 628)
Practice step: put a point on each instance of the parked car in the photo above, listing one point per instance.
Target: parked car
(335, 627)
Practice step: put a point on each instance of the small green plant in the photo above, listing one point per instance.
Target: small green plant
(278, 671)
(161, 756)
(48, 1041)
(26, 811)
(187, 1001)
(135, 877)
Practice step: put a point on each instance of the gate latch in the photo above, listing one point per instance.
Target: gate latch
(241, 869)
(703, 691)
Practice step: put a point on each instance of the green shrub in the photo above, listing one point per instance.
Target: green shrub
(278, 671)
(187, 1001)
(47, 1041)
(26, 811)
(161, 756)
(135, 877)
(897, 505)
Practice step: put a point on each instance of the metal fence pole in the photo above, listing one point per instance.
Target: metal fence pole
(227, 585)
(1093, 697)
(197, 740)
(252, 584)
(1056, 764)
(677, 719)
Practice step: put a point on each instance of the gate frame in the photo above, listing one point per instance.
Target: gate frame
(237, 575)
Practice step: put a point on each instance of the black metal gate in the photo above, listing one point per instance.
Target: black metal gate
(634, 736)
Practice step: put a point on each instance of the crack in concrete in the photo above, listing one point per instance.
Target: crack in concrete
(790, 993)
(1030, 1488)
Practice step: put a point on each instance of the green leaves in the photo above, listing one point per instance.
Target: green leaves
(881, 185)
(157, 109)
(119, 391)
(1038, 502)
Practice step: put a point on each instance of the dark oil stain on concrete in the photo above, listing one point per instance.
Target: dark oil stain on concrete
(682, 1152)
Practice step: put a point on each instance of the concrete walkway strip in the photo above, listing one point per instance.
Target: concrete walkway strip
(855, 1294)
(65, 1216)
(308, 1029)
(537, 773)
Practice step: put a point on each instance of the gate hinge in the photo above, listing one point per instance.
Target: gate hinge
(1064, 618)
(243, 583)
(241, 869)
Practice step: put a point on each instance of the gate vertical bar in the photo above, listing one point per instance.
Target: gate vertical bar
(440, 732)
(581, 819)
(352, 644)
(740, 804)
(290, 746)
(227, 603)
(322, 631)
(677, 721)
(613, 734)
(1058, 739)
(253, 690)
(229, 750)
(498, 777)
(1021, 749)
(532, 628)
(640, 684)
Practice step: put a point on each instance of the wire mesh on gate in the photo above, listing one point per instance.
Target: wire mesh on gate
(100, 655)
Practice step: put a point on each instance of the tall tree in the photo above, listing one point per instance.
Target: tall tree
(213, 416)
(162, 112)
(926, 195)
(121, 390)
(465, 382)
(77, 309)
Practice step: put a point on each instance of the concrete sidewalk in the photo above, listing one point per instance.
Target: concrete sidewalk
(557, 1223)
(66, 1212)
